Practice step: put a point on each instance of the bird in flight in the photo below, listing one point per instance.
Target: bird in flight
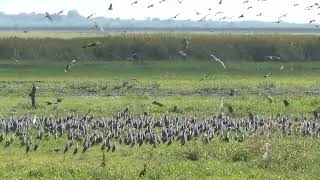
(110, 7)
(91, 15)
(49, 17)
(16, 60)
(135, 2)
(68, 67)
(218, 60)
(60, 12)
(94, 44)
(204, 77)
(273, 57)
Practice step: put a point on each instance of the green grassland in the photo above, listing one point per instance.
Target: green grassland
(107, 87)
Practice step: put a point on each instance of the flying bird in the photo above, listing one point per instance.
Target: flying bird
(204, 77)
(110, 7)
(150, 6)
(135, 2)
(60, 12)
(218, 60)
(49, 17)
(273, 57)
(69, 65)
(94, 44)
(267, 75)
(16, 60)
(91, 15)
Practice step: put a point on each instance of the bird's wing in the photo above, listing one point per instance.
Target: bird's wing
(224, 66)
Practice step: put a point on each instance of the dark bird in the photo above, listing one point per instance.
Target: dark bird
(49, 17)
(135, 2)
(204, 17)
(150, 6)
(220, 2)
(241, 16)
(49, 103)
(285, 102)
(110, 7)
(75, 150)
(157, 103)
(230, 109)
(143, 172)
(91, 15)
(312, 21)
(32, 95)
(174, 17)
(60, 12)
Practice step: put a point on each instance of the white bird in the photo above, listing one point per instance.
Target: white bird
(273, 57)
(218, 60)
(265, 156)
(281, 68)
(16, 60)
(49, 17)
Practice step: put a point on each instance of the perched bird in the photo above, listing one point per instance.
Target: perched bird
(157, 103)
(49, 17)
(285, 102)
(218, 60)
(143, 172)
(265, 156)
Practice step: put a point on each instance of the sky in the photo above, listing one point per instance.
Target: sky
(271, 9)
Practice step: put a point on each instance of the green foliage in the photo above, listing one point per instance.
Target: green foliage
(160, 46)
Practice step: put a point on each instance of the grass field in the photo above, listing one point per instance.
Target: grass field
(107, 88)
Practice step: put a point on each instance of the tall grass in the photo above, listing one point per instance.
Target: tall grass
(160, 46)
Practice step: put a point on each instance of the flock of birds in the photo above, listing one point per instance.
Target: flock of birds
(216, 11)
(84, 132)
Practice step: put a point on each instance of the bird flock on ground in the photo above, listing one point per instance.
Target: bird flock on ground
(81, 133)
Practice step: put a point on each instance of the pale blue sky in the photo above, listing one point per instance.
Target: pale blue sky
(271, 9)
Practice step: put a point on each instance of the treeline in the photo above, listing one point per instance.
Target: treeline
(165, 46)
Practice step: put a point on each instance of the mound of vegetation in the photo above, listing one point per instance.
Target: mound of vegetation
(162, 46)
